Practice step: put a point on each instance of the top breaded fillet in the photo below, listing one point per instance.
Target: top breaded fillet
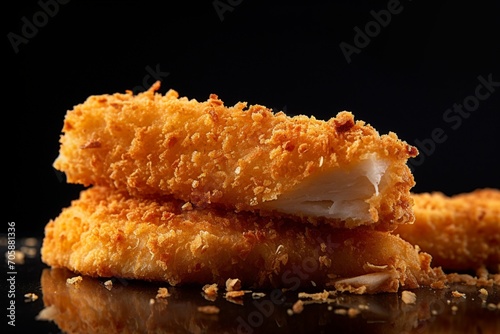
(461, 232)
(247, 158)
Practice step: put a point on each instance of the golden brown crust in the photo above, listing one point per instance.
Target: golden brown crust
(106, 233)
(239, 156)
(461, 232)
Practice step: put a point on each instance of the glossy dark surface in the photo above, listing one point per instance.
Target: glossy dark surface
(125, 307)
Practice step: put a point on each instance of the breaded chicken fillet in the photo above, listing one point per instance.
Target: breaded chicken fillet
(106, 233)
(248, 158)
(461, 232)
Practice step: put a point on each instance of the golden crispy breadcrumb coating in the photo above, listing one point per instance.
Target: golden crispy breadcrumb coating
(106, 233)
(248, 158)
(461, 232)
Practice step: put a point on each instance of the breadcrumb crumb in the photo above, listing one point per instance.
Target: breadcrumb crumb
(235, 294)
(210, 289)
(353, 312)
(408, 297)
(30, 297)
(257, 295)
(162, 293)
(315, 296)
(298, 306)
(492, 306)
(108, 284)
(74, 280)
(458, 294)
(233, 284)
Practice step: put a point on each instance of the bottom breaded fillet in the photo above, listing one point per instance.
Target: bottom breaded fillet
(109, 234)
(461, 232)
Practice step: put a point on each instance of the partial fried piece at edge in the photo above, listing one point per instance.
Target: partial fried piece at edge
(340, 170)
(461, 232)
(106, 233)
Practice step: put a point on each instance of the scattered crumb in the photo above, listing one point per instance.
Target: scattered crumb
(454, 309)
(340, 311)
(329, 308)
(108, 284)
(30, 297)
(162, 293)
(210, 289)
(151, 301)
(31, 242)
(363, 307)
(209, 309)
(315, 296)
(408, 297)
(289, 311)
(434, 312)
(74, 280)
(323, 247)
(18, 257)
(483, 292)
(298, 306)
(491, 306)
(235, 294)
(457, 294)
(325, 261)
(352, 312)
(29, 251)
(257, 295)
(233, 284)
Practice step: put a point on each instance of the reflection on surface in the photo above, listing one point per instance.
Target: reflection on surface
(92, 307)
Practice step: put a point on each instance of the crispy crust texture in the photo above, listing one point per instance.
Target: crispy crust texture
(239, 156)
(106, 233)
(461, 232)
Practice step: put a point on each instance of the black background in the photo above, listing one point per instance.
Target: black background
(284, 55)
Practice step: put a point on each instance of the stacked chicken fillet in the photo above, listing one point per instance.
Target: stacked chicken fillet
(194, 193)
